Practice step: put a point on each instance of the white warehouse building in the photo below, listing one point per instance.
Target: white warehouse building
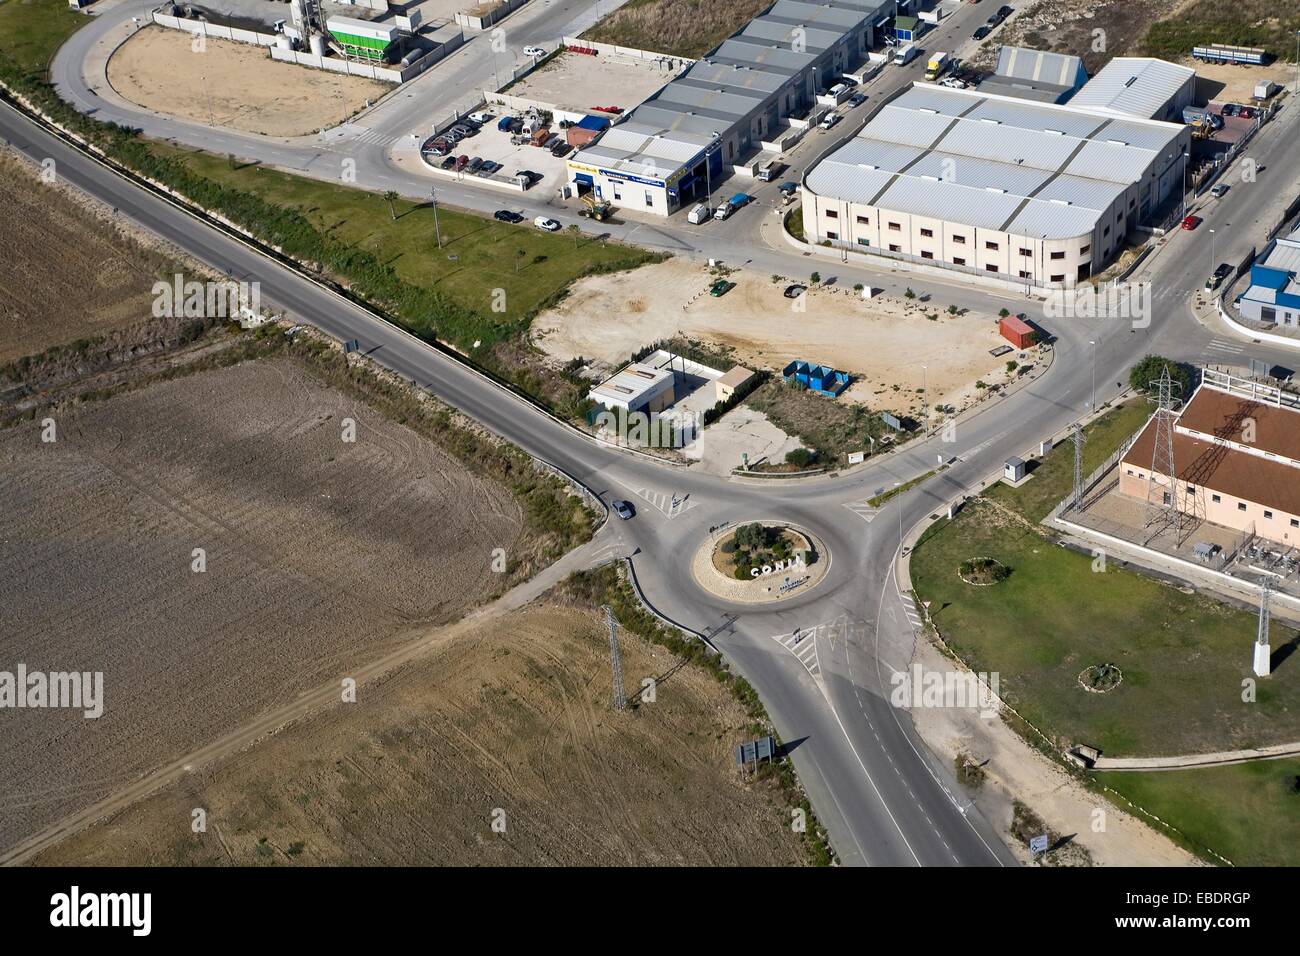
(1026, 194)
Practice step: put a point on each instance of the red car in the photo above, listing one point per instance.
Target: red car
(608, 109)
(1191, 222)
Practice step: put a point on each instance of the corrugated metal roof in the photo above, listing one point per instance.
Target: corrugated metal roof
(1058, 69)
(1034, 169)
(1285, 254)
(1135, 86)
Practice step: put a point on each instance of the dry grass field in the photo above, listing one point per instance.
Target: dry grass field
(514, 717)
(320, 554)
(234, 85)
(687, 28)
(50, 236)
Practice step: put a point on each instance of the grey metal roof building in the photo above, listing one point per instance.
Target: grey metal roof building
(729, 101)
(1139, 86)
(1035, 75)
(1073, 180)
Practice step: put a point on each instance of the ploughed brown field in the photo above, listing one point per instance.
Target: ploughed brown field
(65, 273)
(320, 555)
(508, 721)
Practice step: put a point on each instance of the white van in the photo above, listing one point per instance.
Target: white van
(701, 213)
(480, 117)
(904, 54)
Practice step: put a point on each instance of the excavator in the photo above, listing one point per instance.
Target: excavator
(597, 209)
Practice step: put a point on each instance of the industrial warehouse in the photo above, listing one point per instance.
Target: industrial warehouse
(731, 103)
(1026, 193)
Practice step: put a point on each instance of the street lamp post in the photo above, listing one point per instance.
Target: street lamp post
(1182, 188)
(1092, 405)
(1212, 255)
(433, 198)
(925, 396)
(900, 517)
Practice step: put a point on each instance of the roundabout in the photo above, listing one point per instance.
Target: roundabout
(760, 562)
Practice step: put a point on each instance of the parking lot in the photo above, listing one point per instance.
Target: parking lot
(488, 144)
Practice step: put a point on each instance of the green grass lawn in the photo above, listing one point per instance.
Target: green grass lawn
(1248, 813)
(1054, 477)
(1183, 656)
(503, 271)
(32, 30)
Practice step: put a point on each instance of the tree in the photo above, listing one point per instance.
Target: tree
(815, 278)
(800, 457)
(392, 197)
(1149, 369)
(750, 537)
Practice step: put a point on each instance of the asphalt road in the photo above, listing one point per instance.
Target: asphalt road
(885, 799)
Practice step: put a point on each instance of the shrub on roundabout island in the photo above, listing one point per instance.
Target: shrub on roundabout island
(983, 571)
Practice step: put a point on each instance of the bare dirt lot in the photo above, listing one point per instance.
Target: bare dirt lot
(513, 718)
(579, 82)
(237, 85)
(886, 343)
(49, 237)
(319, 554)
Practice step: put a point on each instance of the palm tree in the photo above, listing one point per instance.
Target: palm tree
(392, 197)
(575, 232)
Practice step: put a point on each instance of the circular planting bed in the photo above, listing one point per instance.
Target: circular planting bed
(760, 561)
(983, 572)
(1100, 678)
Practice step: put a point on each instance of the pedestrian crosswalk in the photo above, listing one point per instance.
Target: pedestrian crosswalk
(862, 510)
(374, 137)
(1222, 347)
(669, 503)
(910, 612)
(803, 645)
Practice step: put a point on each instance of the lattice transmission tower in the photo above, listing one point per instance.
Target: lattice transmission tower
(615, 660)
(1077, 437)
(1162, 480)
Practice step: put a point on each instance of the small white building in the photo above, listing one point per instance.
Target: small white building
(636, 388)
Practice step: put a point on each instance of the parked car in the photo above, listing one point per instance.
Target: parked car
(1219, 274)
(1230, 109)
(721, 288)
(561, 149)
(549, 225)
(608, 109)
(552, 141)
(1005, 11)
(504, 124)
(857, 99)
(1191, 222)
(505, 215)
(623, 509)
(534, 51)
(1219, 189)
(1248, 112)
(461, 162)
(699, 214)
(830, 120)
(532, 176)
(981, 33)
(481, 117)
(794, 291)
(474, 165)
(449, 162)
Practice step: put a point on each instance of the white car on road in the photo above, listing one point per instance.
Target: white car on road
(550, 225)
(534, 51)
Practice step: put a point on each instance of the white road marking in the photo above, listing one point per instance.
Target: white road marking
(670, 504)
(803, 645)
(863, 510)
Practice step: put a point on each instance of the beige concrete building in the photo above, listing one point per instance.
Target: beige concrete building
(1022, 193)
(1237, 457)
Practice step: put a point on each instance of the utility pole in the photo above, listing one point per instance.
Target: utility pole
(1263, 654)
(1162, 506)
(615, 660)
(1182, 189)
(433, 198)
